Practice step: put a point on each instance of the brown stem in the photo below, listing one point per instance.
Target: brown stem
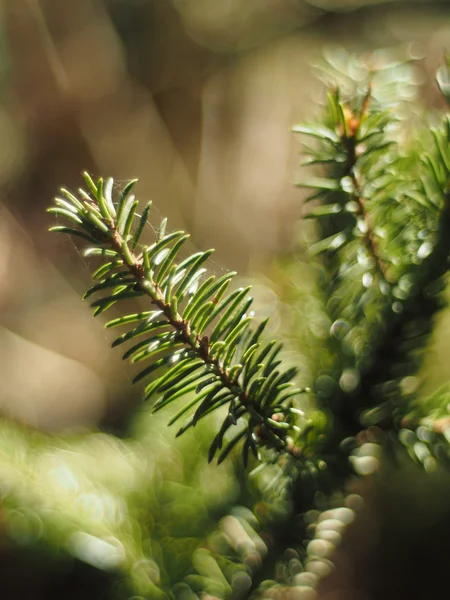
(369, 237)
(349, 140)
(200, 345)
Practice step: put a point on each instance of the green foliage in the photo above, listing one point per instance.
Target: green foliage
(383, 226)
(198, 337)
(115, 513)
(380, 208)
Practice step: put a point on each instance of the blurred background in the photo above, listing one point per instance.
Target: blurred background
(196, 98)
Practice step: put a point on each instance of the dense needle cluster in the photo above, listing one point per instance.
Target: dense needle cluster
(197, 339)
(381, 205)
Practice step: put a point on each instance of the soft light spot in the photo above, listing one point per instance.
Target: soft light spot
(303, 593)
(367, 279)
(352, 206)
(384, 287)
(64, 478)
(362, 226)
(370, 449)
(339, 329)
(347, 185)
(355, 502)
(178, 277)
(95, 551)
(397, 307)
(329, 535)
(409, 385)
(91, 505)
(344, 514)
(338, 241)
(321, 567)
(364, 259)
(421, 451)
(349, 380)
(430, 464)
(330, 524)
(424, 434)
(319, 547)
(425, 250)
(365, 465)
(407, 437)
(161, 256)
(305, 579)
(405, 284)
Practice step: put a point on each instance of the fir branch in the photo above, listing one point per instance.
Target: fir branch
(349, 131)
(196, 334)
(406, 201)
(390, 206)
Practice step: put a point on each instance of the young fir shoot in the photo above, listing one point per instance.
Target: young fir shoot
(197, 339)
(383, 221)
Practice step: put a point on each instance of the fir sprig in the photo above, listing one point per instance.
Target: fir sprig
(382, 217)
(198, 338)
